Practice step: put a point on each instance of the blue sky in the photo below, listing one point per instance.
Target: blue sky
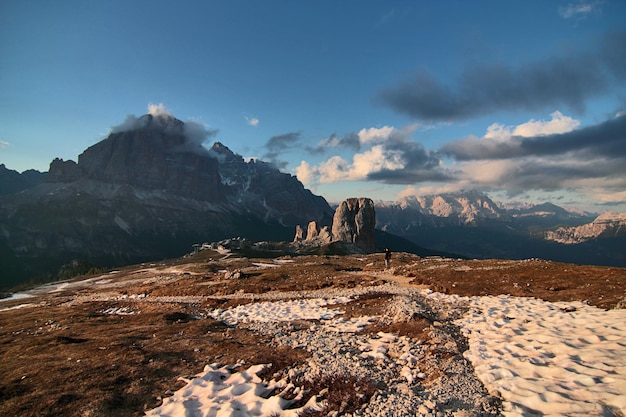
(520, 99)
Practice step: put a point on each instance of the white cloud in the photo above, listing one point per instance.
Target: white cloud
(498, 132)
(579, 9)
(252, 121)
(158, 110)
(558, 123)
(386, 133)
(4, 144)
(376, 159)
(610, 196)
(376, 134)
(307, 174)
(489, 172)
(334, 169)
(387, 151)
(452, 187)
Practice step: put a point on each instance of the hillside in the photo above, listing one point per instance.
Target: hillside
(116, 344)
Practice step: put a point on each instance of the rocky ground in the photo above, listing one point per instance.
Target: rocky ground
(116, 344)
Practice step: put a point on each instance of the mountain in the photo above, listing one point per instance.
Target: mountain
(607, 225)
(145, 193)
(454, 209)
(547, 215)
(12, 182)
(472, 225)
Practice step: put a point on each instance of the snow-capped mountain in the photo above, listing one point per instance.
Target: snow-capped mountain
(454, 209)
(606, 225)
(472, 225)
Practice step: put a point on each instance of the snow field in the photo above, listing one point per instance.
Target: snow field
(542, 358)
(560, 359)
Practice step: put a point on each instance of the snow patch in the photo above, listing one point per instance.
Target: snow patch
(557, 358)
(217, 391)
(119, 311)
(307, 309)
(122, 224)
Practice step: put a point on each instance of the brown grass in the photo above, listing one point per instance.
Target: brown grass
(63, 358)
(603, 287)
(343, 394)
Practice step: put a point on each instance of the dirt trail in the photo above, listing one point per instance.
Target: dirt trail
(401, 280)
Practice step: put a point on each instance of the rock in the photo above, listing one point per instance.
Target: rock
(63, 171)
(236, 274)
(311, 231)
(313, 234)
(299, 234)
(157, 154)
(354, 222)
(325, 235)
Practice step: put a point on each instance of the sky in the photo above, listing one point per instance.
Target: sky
(522, 100)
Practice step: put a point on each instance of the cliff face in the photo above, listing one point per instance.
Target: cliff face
(354, 222)
(157, 155)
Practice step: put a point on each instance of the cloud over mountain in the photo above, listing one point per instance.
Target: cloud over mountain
(196, 132)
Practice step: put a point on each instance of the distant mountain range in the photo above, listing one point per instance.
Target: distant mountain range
(472, 225)
(606, 226)
(152, 190)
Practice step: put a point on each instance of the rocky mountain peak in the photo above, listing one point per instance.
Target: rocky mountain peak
(604, 226)
(610, 217)
(159, 121)
(154, 152)
(12, 181)
(158, 152)
(462, 207)
(222, 152)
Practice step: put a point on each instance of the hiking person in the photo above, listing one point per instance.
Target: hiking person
(387, 258)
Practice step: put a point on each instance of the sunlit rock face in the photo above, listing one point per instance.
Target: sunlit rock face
(605, 225)
(354, 222)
